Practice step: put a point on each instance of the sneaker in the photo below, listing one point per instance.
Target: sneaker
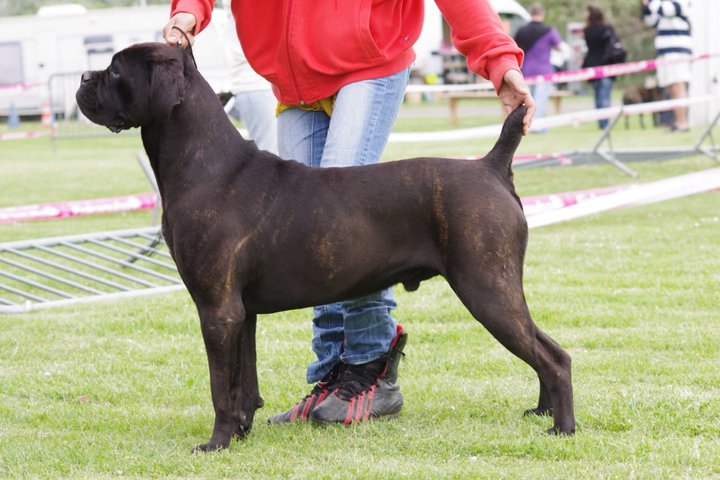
(301, 411)
(365, 391)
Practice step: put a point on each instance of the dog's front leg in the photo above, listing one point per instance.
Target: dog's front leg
(222, 330)
(245, 392)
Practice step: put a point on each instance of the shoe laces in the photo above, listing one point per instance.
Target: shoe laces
(357, 379)
(327, 381)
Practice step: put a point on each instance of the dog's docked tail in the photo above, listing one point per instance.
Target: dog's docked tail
(502, 153)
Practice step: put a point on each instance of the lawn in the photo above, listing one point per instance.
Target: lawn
(121, 390)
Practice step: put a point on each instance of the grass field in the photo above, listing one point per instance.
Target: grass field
(121, 390)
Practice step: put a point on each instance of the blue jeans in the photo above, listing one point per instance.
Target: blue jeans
(603, 88)
(360, 330)
(256, 109)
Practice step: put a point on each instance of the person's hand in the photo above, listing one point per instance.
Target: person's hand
(645, 2)
(515, 92)
(185, 22)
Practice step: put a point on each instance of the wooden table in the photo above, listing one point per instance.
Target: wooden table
(454, 98)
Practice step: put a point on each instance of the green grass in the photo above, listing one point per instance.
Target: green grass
(120, 389)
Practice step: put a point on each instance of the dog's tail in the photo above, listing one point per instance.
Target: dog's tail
(502, 153)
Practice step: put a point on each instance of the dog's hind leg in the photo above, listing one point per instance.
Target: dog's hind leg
(544, 404)
(496, 300)
(222, 324)
(245, 391)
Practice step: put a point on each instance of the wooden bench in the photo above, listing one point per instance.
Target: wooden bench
(454, 98)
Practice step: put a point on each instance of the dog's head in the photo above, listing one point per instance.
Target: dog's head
(142, 85)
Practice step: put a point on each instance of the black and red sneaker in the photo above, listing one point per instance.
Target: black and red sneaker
(370, 390)
(301, 411)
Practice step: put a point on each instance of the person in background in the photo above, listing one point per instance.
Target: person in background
(340, 76)
(598, 35)
(537, 40)
(253, 100)
(673, 45)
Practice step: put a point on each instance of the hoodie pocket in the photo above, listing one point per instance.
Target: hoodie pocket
(337, 36)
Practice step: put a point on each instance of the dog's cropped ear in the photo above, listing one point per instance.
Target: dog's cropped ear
(167, 85)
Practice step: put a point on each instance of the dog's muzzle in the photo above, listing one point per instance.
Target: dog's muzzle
(87, 98)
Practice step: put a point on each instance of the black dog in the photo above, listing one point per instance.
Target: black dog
(252, 233)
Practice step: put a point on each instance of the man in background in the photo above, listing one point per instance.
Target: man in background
(537, 40)
(253, 100)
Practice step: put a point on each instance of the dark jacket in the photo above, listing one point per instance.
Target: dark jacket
(597, 39)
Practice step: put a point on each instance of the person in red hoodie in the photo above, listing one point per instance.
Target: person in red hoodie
(339, 71)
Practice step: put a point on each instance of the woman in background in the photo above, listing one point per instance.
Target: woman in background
(597, 37)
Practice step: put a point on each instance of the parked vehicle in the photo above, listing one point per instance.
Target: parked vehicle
(42, 55)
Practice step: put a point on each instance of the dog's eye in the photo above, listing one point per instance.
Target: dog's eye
(114, 75)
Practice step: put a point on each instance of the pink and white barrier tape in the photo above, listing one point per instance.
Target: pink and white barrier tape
(604, 71)
(532, 205)
(74, 208)
(545, 203)
(540, 210)
(582, 74)
(23, 86)
(24, 135)
(661, 190)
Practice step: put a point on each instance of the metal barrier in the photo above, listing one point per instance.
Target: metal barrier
(75, 269)
(610, 154)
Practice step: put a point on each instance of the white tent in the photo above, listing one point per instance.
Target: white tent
(706, 73)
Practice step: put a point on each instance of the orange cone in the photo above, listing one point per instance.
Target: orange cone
(46, 119)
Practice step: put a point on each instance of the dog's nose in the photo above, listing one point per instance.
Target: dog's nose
(86, 77)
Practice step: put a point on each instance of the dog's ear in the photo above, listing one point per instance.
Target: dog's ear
(167, 85)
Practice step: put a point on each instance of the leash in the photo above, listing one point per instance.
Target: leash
(189, 45)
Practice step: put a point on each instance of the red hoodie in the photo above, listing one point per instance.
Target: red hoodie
(309, 49)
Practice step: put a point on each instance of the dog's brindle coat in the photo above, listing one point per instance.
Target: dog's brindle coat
(252, 233)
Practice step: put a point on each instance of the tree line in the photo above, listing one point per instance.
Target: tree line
(30, 7)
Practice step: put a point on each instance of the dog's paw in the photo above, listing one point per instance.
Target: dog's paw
(208, 447)
(558, 432)
(540, 412)
(242, 431)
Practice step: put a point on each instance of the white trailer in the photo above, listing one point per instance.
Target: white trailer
(42, 55)
(64, 40)
(434, 41)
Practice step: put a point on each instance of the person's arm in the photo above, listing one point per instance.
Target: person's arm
(478, 33)
(666, 8)
(190, 16)
(515, 92)
(651, 14)
(557, 41)
(653, 10)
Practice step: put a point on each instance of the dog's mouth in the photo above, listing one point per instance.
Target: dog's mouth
(117, 127)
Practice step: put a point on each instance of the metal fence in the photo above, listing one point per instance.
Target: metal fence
(75, 269)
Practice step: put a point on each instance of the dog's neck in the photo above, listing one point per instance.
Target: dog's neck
(175, 146)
